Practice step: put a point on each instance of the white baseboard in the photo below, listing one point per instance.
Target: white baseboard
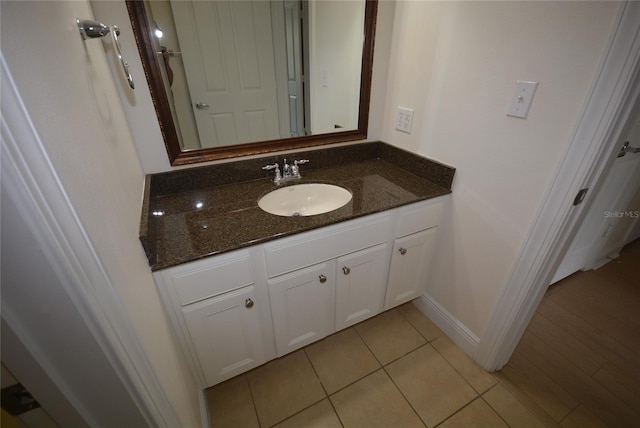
(452, 327)
(204, 409)
(601, 262)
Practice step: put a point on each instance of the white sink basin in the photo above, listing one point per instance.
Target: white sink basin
(304, 199)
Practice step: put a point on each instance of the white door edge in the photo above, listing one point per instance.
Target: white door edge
(48, 212)
(592, 150)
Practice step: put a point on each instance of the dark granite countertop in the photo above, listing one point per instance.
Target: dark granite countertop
(199, 212)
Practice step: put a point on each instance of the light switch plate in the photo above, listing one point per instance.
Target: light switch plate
(404, 119)
(521, 100)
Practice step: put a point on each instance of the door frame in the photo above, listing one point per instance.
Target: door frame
(590, 154)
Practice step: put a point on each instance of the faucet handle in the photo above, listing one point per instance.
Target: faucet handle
(295, 171)
(275, 166)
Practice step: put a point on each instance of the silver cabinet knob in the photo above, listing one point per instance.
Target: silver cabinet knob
(403, 251)
(323, 278)
(346, 270)
(202, 106)
(248, 303)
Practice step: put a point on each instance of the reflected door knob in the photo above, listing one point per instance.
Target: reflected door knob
(322, 278)
(248, 303)
(403, 251)
(202, 106)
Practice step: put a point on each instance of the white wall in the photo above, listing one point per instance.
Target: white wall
(137, 105)
(455, 63)
(71, 98)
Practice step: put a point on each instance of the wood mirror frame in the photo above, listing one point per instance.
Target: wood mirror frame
(177, 156)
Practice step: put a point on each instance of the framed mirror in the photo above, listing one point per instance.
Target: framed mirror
(233, 78)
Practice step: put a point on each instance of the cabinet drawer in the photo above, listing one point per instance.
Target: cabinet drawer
(415, 218)
(201, 280)
(315, 247)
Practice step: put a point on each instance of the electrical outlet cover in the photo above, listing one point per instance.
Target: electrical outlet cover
(404, 119)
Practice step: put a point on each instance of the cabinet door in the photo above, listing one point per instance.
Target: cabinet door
(226, 334)
(361, 279)
(409, 269)
(302, 306)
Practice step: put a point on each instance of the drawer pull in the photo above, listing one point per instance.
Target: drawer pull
(346, 270)
(403, 251)
(323, 278)
(248, 303)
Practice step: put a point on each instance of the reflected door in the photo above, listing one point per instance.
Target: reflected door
(227, 49)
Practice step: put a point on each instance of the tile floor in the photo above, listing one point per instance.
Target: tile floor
(394, 370)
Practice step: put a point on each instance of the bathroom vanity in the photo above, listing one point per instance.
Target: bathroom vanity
(242, 286)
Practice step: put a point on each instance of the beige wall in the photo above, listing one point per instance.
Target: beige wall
(456, 63)
(71, 98)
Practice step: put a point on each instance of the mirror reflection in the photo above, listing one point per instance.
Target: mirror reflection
(247, 71)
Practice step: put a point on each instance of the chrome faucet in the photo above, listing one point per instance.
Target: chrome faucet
(286, 169)
(289, 172)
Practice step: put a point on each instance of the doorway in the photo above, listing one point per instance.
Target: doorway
(609, 224)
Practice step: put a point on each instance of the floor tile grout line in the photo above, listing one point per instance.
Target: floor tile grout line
(397, 358)
(461, 375)
(414, 326)
(304, 350)
(253, 401)
(533, 413)
(456, 412)
(538, 411)
(402, 393)
(335, 411)
(356, 380)
(326, 396)
(367, 345)
(496, 410)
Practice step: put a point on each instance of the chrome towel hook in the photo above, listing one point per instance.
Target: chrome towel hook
(90, 29)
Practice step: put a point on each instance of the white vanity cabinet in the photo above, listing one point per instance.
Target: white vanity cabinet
(342, 282)
(311, 303)
(237, 310)
(413, 249)
(361, 281)
(219, 311)
(302, 306)
(226, 334)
